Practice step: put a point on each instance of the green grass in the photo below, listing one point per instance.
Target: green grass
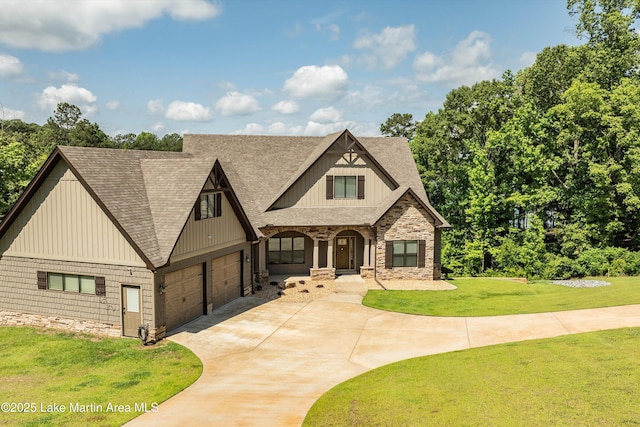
(494, 297)
(40, 368)
(590, 379)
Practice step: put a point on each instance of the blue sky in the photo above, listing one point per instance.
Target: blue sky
(260, 67)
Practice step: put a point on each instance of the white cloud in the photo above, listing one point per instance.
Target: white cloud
(69, 24)
(158, 126)
(188, 111)
(237, 104)
(10, 114)
(327, 82)
(469, 63)
(64, 76)
(390, 47)
(278, 128)
(251, 129)
(155, 106)
(286, 107)
(10, 66)
(83, 98)
(320, 129)
(325, 115)
(113, 105)
(326, 120)
(528, 58)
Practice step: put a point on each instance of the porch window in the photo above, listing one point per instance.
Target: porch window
(286, 250)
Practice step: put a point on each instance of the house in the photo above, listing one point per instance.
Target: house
(107, 240)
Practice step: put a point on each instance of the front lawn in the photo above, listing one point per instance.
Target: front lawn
(590, 379)
(494, 297)
(58, 378)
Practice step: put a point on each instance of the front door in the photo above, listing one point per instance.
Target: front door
(344, 249)
(131, 310)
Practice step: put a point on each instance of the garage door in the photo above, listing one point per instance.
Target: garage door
(183, 296)
(227, 279)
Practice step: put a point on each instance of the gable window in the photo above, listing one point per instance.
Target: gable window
(286, 250)
(405, 253)
(210, 206)
(71, 283)
(345, 187)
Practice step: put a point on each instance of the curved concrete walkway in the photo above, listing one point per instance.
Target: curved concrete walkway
(265, 364)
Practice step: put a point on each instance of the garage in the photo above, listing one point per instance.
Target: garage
(227, 279)
(184, 295)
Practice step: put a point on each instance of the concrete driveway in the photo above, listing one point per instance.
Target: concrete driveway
(265, 364)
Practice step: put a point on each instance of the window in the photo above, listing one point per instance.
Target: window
(71, 283)
(405, 253)
(345, 187)
(286, 250)
(210, 206)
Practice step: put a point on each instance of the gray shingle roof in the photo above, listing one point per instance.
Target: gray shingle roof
(265, 166)
(148, 194)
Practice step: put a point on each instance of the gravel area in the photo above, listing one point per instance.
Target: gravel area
(295, 290)
(581, 283)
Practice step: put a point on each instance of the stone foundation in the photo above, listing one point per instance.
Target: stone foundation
(323, 273)
(11, 318)
(367, 272)
(262, 277)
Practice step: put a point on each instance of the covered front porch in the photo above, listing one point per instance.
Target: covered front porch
(320, 252)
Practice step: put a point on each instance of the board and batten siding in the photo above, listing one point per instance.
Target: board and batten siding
(210, 234)
(311, 188)
(63, 222)
(19, 291)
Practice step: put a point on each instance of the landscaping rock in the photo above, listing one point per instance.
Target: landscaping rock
(581, 283)
(291, 285)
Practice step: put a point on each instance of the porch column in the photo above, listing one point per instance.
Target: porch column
(262, 255)
(330, 253)
(372, 252)
(316, 252)
(367, 251)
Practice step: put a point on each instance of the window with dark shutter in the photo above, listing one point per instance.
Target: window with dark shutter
(101, 288)
(421, 252)
(42, 280)
(388, 254)
(329, 187)
(360, 186)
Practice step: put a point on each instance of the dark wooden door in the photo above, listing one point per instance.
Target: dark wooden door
(343, 251)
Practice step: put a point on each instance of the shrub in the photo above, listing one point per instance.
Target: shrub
(561, 267)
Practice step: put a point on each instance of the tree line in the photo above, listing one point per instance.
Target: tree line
(539, 172)
(25, 146)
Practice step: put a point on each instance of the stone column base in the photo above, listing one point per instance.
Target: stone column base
(367, 272)
(323, 273)
(262, 277)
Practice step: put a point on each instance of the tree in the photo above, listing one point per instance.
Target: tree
(613, 46)
(401, 125)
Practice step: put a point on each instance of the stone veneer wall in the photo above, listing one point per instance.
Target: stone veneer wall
(19, 293)
(11, 318)
(406, 220)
